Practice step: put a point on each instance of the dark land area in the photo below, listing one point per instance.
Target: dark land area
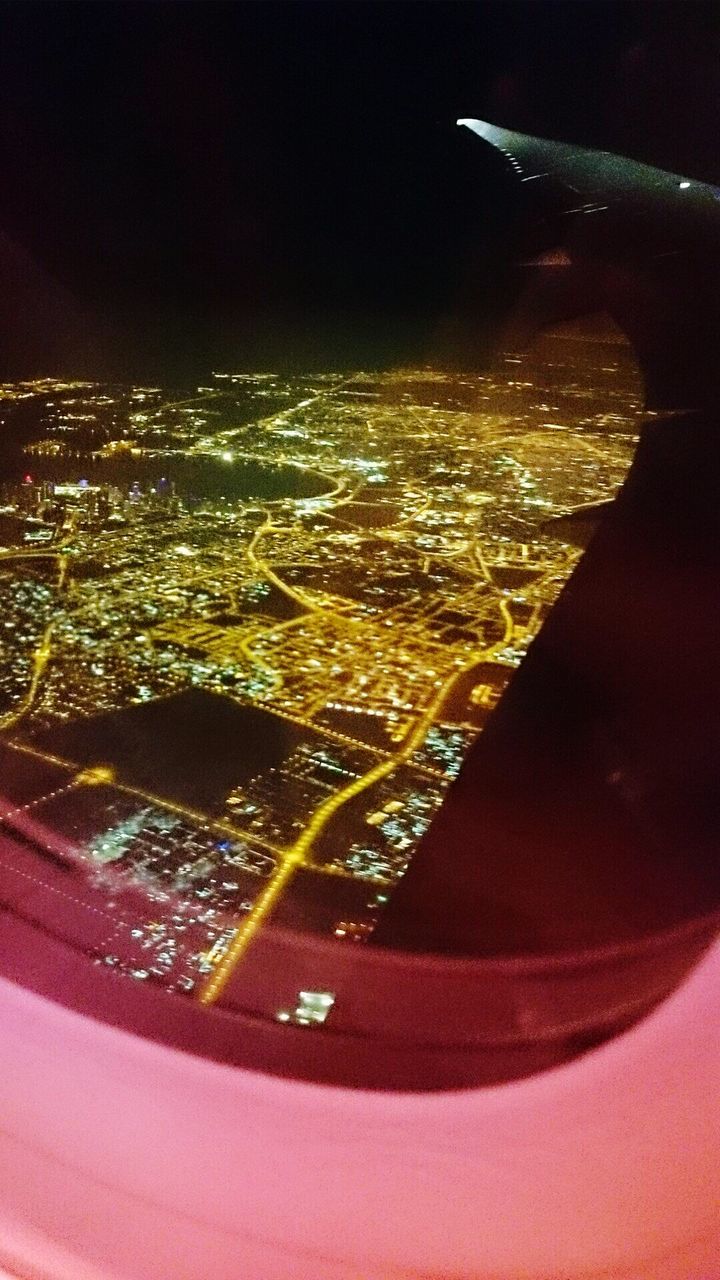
(193, 747)
(23, 778)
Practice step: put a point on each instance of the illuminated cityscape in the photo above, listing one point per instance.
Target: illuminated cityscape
(249, 631)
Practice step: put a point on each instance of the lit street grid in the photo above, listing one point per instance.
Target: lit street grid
(248, 632)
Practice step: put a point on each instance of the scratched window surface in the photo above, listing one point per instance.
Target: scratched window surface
(250, 628)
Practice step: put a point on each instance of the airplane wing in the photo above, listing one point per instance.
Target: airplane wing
(586, 812)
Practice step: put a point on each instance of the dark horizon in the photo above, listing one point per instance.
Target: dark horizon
(198, 185)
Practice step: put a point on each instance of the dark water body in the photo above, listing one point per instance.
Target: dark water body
(196, 479)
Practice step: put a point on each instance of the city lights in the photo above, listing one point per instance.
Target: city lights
(240, 694)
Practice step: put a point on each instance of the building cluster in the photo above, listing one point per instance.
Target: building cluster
(349, 556)
(43, 513)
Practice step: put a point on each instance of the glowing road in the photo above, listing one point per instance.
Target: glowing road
(297, 855)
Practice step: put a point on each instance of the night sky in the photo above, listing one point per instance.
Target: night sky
(197, 185)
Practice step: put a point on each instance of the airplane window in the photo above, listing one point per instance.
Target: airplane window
(359, 565)
(253, 623)
(252, 627)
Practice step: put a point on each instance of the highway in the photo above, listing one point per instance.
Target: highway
(42, 653)
(21, 553)
(262, 568)
(106, 775)
(297, 855)
(40, 661)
